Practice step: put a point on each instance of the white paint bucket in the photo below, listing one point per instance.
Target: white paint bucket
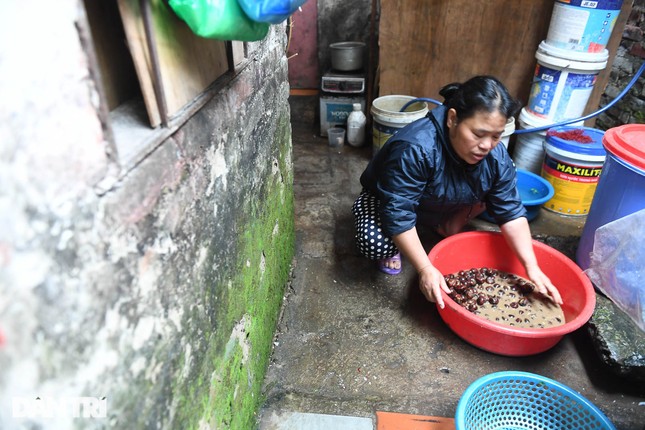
(388, 118)
(563, 82)
(582, 25)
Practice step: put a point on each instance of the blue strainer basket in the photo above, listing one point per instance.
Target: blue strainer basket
(525, 401)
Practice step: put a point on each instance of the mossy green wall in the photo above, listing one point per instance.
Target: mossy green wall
(155, 285)
(225, 391)
(233, 248)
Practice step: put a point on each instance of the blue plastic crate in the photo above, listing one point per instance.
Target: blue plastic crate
(516, 400)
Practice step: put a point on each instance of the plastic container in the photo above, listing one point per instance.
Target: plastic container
(581, 25)
(621, 186)
(271, 11)
(528, 153)
(526, 401)
(464, 251)
(335, 109)
(534, 192)
(509, 129)
(388, 118)
(356, 126)
(336, 136)
(573, 168)
(563, 82)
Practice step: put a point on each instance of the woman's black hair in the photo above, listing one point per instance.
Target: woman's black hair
(480, 93)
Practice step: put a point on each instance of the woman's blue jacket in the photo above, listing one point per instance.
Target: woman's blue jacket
(418, 177)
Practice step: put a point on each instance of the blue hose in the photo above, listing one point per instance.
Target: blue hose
(420, 99)
(557, 124)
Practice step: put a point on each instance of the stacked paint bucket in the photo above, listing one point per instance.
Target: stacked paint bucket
(568, 63)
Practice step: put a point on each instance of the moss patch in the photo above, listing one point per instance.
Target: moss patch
(224, 391)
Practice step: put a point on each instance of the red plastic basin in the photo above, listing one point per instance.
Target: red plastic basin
(464, 251)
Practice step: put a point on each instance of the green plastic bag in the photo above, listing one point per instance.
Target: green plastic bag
(219, 19)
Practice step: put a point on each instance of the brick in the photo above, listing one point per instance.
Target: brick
(637, 50)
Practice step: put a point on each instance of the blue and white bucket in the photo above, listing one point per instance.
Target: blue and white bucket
(573, 169)
(582, 25)
(563, 82)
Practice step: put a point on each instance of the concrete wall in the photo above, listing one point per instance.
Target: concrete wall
(156, 288)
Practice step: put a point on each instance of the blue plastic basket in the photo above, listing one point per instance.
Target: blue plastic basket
(525, 401)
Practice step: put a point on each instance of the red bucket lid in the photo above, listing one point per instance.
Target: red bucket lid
(627, 142)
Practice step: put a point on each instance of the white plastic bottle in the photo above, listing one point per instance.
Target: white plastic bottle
(356, 126)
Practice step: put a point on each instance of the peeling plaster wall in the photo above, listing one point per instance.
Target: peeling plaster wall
(160, 294)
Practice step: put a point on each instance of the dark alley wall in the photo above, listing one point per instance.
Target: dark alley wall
(342, 21)
(320, 24)
(157, 288)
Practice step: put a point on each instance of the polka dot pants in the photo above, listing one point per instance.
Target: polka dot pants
(370, 239)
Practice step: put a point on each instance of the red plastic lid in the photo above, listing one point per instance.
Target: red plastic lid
(627, 142)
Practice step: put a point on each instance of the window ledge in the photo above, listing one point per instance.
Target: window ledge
(134, 139)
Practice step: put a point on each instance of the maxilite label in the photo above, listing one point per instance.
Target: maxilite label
(574, 185)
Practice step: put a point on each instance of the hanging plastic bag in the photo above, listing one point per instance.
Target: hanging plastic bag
(219, 19)
(271, 11)
(616, 267)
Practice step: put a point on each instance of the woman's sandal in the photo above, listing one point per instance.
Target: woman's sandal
(385, 269)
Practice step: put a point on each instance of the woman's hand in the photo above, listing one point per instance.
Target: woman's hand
(543, 284)
(431, 282)
(518, 236)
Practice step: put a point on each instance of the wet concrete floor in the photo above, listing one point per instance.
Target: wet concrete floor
(352, 341)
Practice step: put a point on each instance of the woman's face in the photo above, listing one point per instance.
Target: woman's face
(473, 138)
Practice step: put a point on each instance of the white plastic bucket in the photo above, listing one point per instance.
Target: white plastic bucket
(388, 118)
(509, 129)
(528, 153)
(581, 25)
(573, 168)
(563, 82)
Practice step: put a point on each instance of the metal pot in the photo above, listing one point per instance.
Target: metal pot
(347, 56)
